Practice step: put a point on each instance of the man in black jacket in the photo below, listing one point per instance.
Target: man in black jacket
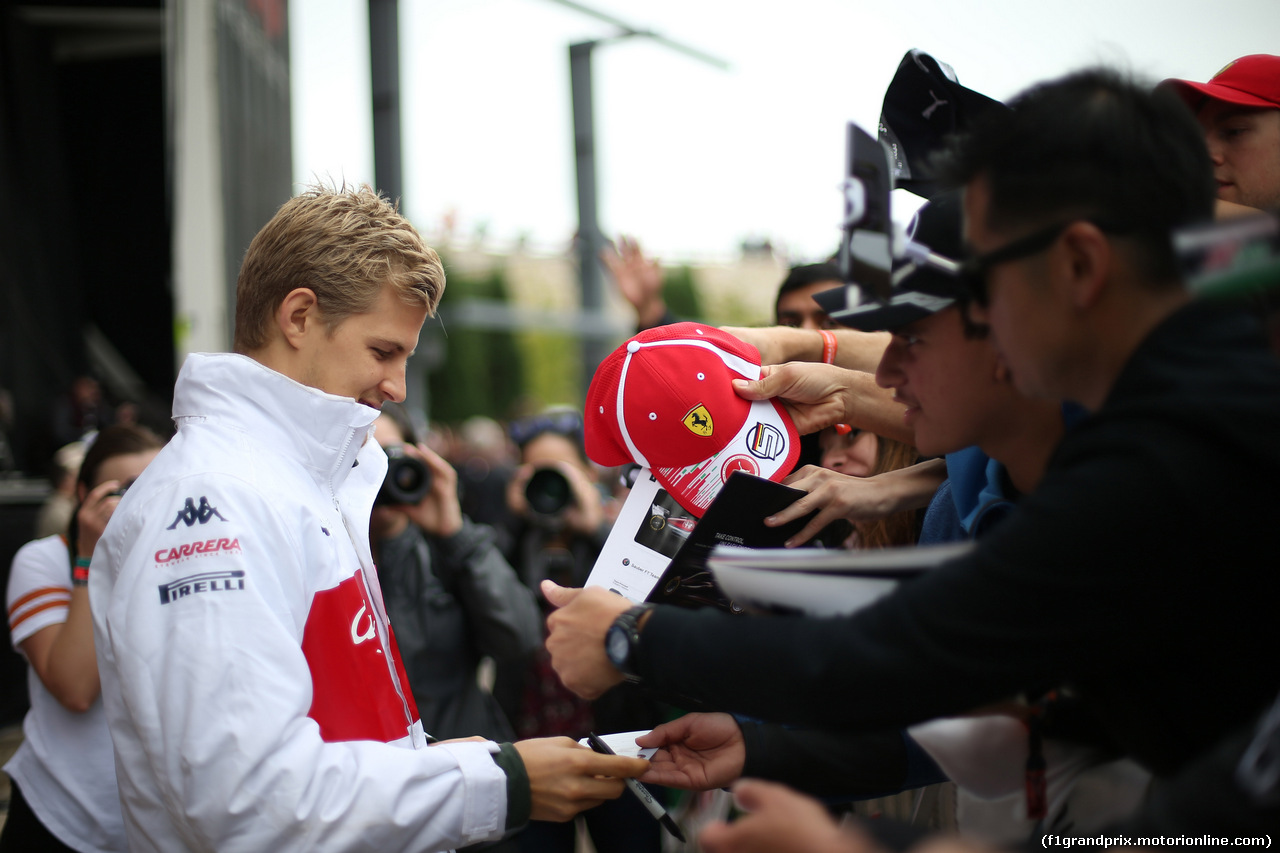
(1139, 572)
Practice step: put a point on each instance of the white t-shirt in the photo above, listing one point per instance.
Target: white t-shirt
(65, 766)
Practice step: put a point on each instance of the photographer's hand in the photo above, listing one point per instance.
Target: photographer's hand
(439, 513)
(94, 513)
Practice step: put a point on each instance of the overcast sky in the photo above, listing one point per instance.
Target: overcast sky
(693, 159)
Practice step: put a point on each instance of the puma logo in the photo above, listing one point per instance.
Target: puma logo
(937, 102)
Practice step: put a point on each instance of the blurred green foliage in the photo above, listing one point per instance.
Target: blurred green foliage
(481, 372)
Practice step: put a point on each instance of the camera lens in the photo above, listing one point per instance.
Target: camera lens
(408, 480)
(548, 492)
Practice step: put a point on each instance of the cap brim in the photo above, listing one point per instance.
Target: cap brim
(1194, 94)
(848, 306)
(767, 445)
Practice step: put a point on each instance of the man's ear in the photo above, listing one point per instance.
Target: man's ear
(298, 315)
(1089, 260)
(1001, 373)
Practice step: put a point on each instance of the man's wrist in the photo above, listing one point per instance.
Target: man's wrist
(622, 641)
(519, 795)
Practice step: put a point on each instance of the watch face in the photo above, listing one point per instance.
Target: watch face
(616, 645)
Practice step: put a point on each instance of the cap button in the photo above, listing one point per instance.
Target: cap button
(633, 347)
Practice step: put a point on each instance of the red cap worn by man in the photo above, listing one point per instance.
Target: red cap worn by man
(1239, 109)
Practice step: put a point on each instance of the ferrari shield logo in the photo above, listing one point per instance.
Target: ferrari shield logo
(699, 421)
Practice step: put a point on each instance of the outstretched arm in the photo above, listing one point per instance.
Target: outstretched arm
(779, 344)
(697, 752)
(821, 395)
(855, 499)
(638, 279)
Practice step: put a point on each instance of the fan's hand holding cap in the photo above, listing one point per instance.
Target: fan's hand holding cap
(665, 400)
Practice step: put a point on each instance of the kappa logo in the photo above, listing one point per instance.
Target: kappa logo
(191, 514)
(698, 421)
(766, 441)
(196, 549)
(195, 584)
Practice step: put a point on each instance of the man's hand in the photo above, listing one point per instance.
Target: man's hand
(566, 777)
(820, 395)
(855, 499)
(576, 638)
(438, 513)
(817, 395)
(638, 279)
(780, 821)
(697, 752)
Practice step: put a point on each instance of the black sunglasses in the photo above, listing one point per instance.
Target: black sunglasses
(975, 269)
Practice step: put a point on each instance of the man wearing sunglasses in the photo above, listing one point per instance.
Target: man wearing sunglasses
(1138, 571)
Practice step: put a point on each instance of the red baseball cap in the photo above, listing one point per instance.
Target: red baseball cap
(1250, 81)
(665, 400)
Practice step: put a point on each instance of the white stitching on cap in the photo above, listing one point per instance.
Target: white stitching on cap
(636, 455)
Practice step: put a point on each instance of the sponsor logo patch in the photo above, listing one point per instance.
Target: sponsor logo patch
(698, 421)
(191, 514)
(738, 462)
(195, 584)
(766, 441)
(196, 549)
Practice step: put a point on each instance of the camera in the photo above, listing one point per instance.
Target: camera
(548, 492)
(408, 479)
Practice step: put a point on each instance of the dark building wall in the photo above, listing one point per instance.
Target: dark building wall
(84, 238)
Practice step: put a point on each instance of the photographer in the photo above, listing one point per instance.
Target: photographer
(63, 794)
(450, 594)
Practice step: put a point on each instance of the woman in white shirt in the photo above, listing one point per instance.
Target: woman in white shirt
(63, 792)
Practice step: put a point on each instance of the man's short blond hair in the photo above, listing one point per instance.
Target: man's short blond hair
(345, 245)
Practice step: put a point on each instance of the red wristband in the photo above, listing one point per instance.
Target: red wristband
(828, 346)
(80, 572)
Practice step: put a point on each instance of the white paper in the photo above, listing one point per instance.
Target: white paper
(821, 583)
(650, 529)
(624, 743)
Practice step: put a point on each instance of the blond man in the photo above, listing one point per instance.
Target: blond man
(251, 680)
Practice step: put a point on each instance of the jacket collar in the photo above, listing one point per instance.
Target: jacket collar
(322, 432)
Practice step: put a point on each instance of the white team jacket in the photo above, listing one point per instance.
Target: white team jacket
(252, 686)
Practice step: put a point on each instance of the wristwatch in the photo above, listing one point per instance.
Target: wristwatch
(622, 638)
